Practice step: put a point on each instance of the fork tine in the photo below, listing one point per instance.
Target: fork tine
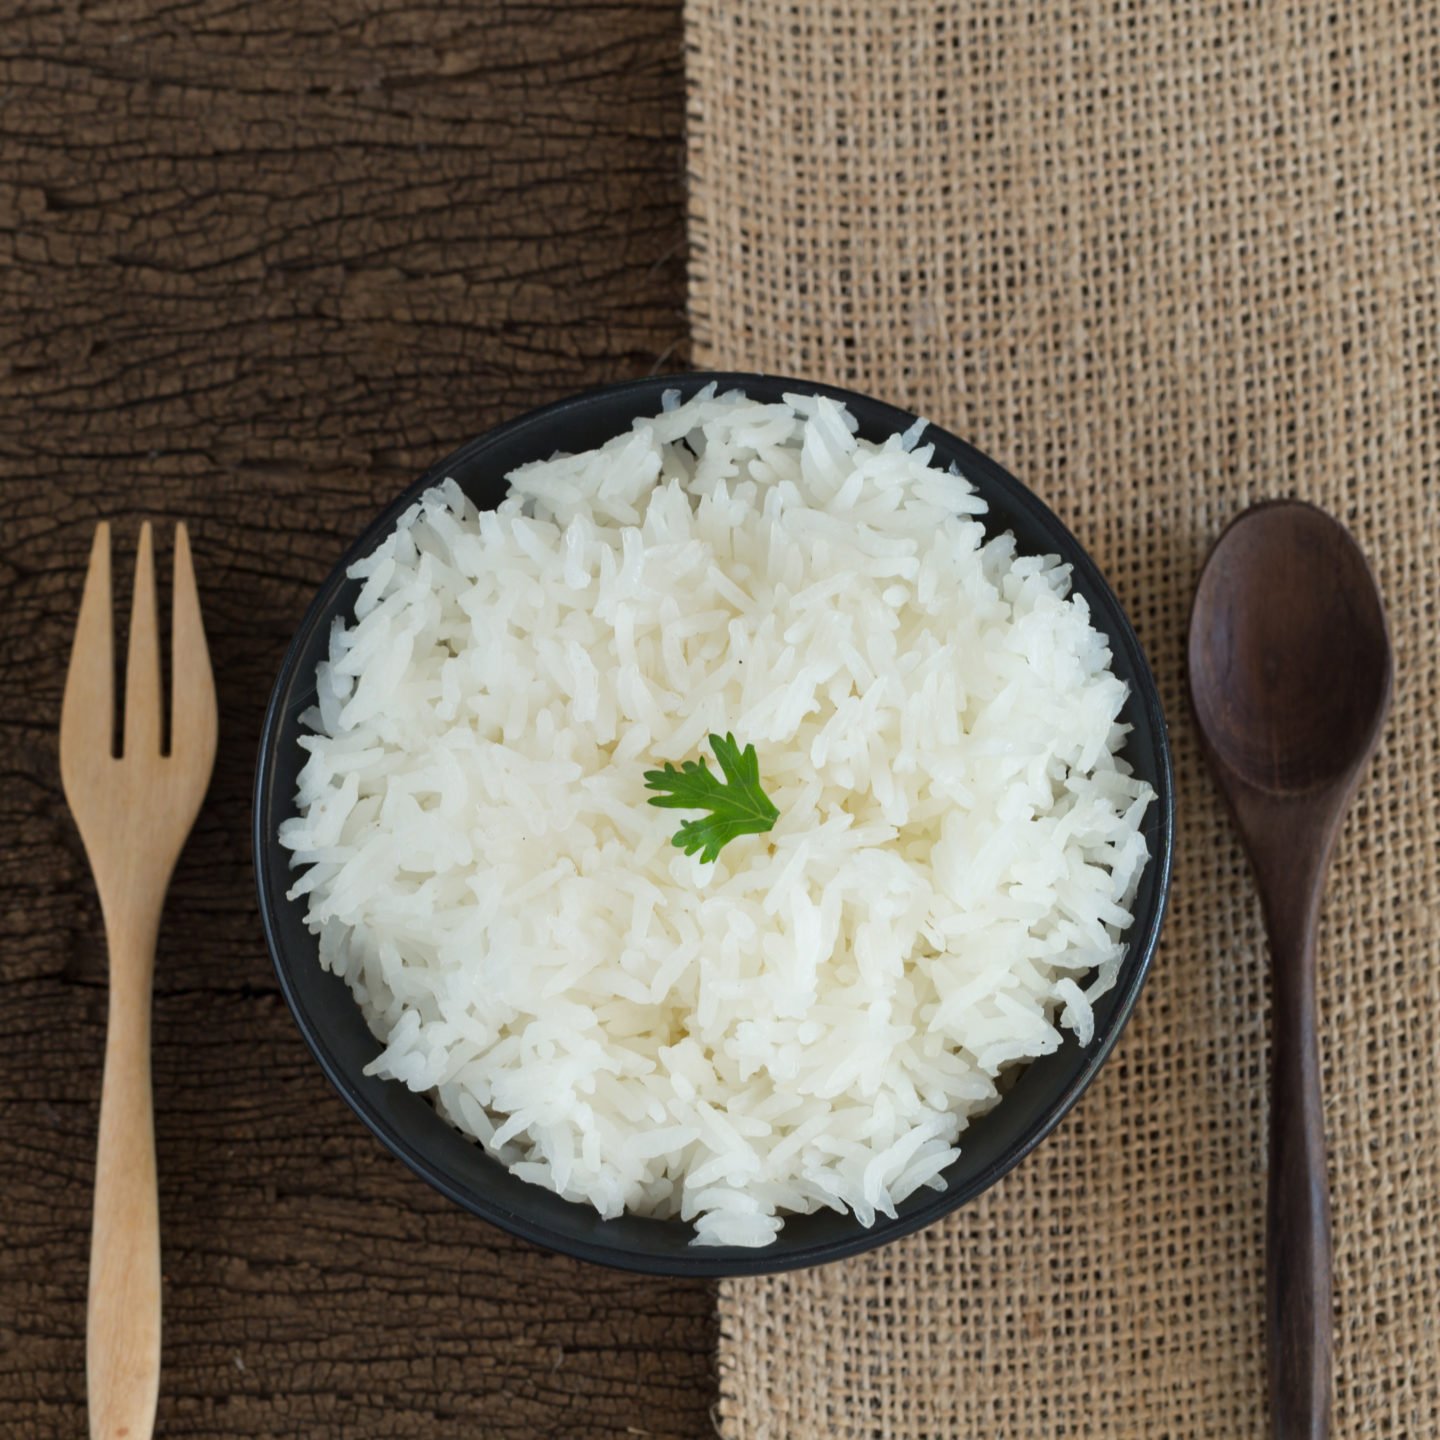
(87, 714)
(142, 666)
(192, 700)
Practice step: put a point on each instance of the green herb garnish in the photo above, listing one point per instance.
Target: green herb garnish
(737, 805)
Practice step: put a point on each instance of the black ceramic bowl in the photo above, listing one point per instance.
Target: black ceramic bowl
(331, 1022)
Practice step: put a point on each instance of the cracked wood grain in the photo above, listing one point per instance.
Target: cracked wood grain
(259, 265)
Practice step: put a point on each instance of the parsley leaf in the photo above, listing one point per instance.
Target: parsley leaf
(738, 806)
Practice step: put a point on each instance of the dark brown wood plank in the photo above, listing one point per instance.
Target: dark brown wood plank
(259, 264)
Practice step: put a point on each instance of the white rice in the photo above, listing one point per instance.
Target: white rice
(813, 1019)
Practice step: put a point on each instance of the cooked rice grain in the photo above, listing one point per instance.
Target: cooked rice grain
(813, 1019)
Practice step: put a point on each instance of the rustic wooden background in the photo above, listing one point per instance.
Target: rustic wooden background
(259, 264)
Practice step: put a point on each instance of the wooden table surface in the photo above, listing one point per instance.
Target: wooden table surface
(259, 264)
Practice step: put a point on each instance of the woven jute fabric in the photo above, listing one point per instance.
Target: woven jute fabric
(1162, 261)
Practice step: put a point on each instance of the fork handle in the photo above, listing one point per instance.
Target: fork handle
(122, 1351)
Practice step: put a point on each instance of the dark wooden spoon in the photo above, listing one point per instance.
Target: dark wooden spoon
(1290, 675)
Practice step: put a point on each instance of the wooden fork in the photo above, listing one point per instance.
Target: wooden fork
(133, 814)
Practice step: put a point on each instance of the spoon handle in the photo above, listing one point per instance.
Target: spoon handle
(1298, 1268)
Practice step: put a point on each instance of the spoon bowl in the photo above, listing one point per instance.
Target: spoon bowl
(1289, 662)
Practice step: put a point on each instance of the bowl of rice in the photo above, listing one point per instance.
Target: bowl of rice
(715, 824)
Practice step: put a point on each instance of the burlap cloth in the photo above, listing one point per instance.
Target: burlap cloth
(1161, 260)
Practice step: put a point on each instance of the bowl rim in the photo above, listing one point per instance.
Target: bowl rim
(713, 1262)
